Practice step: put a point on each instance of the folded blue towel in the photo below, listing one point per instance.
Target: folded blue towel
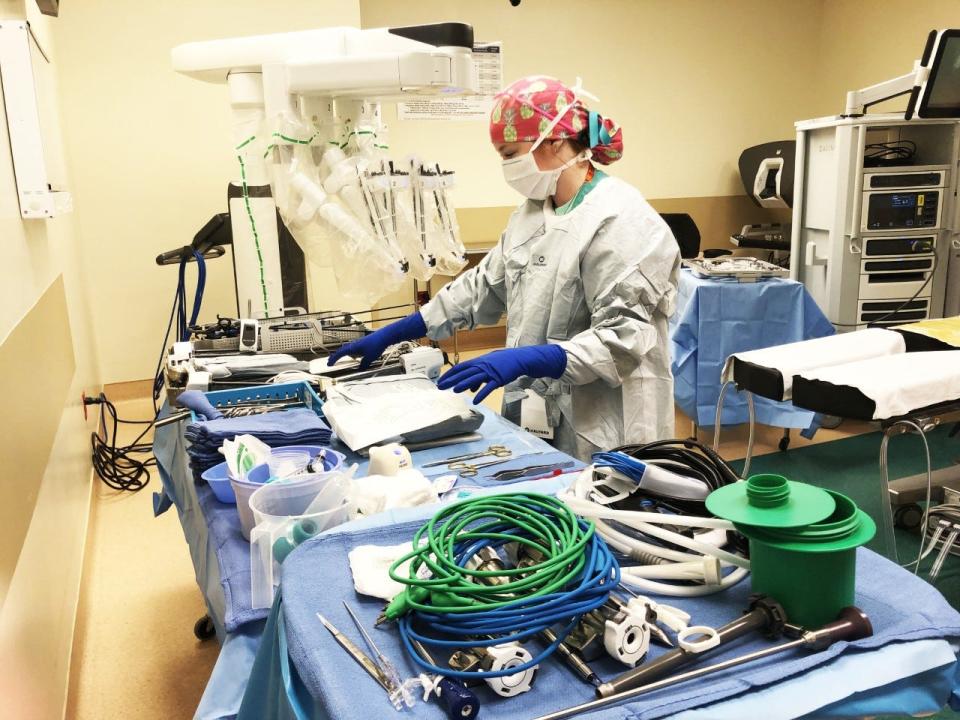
(299, 426)
(271, 424)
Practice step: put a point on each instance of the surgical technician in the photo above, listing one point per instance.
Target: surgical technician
(586, 272)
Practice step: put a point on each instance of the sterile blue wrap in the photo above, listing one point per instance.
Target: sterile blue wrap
(717, 318)
(221, 557)
(901, 608)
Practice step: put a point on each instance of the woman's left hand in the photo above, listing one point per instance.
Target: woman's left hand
(500, 367)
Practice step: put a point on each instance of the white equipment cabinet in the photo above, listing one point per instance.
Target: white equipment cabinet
(866, 240)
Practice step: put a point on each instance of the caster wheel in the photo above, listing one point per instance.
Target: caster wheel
(908, 517)
(203, 628)
(784, 443)
(830, 422)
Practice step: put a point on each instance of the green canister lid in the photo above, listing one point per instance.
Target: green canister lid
(847, 527)
(771, 501)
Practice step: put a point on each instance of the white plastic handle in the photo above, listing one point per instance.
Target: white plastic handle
(709, 640)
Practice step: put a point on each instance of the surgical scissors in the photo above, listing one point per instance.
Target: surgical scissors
(499, 451)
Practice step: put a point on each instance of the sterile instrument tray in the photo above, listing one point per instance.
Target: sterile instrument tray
(742, 269)
(264, 393)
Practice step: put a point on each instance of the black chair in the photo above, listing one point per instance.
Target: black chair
(687, 235)
(685, 232)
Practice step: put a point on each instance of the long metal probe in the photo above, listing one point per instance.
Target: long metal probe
(359, 655)
(387, 667)
(764, 614)
(852, 625)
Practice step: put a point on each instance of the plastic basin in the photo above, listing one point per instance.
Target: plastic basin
(219, 481)
(260, 475)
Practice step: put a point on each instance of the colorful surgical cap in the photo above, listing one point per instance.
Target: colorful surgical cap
(524, 110)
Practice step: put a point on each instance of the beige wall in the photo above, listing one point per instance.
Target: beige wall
(43, 311)
(851, 56)
(692, 81)
(151, 152)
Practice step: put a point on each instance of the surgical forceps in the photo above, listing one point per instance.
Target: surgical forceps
(468, 470)
(523, 472)
(499, 451)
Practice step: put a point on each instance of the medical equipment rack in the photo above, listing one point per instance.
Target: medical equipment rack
(877, 244)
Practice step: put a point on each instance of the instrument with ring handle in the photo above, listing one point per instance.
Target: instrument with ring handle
(530, 470)
(468, 470)
(500, 451)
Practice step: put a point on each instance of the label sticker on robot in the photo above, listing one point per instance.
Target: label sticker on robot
(533, 416)
(488, 68)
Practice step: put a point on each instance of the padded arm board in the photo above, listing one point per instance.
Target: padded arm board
(763, 366)
(764, 381)
(881, 388)
(825, 397)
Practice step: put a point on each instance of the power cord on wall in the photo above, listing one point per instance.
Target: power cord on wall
(117, 465)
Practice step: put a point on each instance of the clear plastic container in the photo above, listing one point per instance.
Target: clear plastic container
(287, 462)
(242, 490)
(282, 510)
(258, 476)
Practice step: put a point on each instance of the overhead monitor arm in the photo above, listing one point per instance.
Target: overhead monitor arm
(859, 100)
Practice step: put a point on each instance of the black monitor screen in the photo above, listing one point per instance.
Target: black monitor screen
(942, 96)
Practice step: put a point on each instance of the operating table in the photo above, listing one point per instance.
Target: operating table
(906, 378)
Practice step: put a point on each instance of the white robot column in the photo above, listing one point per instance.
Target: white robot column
(256, 252)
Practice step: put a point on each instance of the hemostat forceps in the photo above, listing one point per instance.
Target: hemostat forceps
(495, 450)
(467, 470)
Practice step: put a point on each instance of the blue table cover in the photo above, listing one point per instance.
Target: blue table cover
(221, 557)
(909, 665)
(717, 318)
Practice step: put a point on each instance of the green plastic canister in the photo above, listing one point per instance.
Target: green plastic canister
(810, 569)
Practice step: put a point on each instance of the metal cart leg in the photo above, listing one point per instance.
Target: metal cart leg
(784, 440)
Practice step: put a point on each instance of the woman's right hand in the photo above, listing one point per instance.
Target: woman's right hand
(370, 347)
(367, 348)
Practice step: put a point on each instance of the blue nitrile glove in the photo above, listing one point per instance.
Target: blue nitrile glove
(197, 401)
(370, 347)
(500, 367)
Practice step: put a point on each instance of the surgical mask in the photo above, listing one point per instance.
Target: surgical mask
(522, 173)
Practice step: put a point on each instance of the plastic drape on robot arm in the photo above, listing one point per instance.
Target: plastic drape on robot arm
(374, 222)
(317, 188)
(423, 265)
(435, 217)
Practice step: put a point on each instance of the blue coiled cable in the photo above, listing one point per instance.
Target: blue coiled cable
(577, 574)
